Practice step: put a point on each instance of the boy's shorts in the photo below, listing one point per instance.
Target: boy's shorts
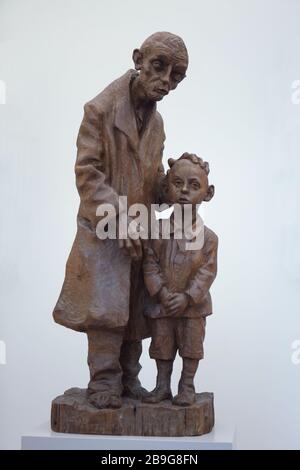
(169, 335)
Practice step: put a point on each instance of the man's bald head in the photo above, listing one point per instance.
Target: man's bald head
(170, 41)
(162, 61)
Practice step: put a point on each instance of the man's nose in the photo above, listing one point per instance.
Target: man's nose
(165, 77)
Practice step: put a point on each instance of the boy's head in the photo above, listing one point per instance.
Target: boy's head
(187, 180)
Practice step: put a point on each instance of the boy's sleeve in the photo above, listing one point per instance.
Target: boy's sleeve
(152, 273)
(199, 286)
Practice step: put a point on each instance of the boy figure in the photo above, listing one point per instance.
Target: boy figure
(178, 280)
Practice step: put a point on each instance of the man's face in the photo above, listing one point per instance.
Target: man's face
(161, 70)
(188, 183)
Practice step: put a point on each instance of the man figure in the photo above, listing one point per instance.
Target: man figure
(120, 146)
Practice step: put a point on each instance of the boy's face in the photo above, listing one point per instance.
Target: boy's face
(188, 183)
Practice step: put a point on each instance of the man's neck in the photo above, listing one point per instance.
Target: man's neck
(140, 103)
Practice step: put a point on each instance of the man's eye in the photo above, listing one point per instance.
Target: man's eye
(177, 184)
(157, 64)
(196, 186)
(177, 77)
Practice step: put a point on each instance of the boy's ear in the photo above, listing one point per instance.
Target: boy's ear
(210, 193)
(171, 162)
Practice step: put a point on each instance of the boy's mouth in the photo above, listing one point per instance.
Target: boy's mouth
(183, 200)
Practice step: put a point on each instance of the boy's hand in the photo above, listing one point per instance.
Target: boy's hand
(164, 296)
(177, 304)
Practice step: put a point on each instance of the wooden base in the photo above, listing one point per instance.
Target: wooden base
(72, 413)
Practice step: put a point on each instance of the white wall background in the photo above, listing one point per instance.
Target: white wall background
(235, 109)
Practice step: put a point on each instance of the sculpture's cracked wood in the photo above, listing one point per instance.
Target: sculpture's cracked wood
(72, 413)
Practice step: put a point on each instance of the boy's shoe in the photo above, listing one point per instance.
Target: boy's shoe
(158, 395)
(184, 398)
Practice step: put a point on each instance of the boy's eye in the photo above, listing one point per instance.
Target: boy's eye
(195, 186)
(177, 183)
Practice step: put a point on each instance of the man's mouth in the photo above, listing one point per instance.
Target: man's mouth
(161, 91)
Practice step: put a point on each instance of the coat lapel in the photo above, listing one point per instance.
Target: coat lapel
(124, 117)
(148, 133)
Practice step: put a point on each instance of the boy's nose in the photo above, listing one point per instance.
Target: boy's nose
(184, 189)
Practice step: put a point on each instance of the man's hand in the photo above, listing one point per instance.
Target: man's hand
(132, 247)
(177, 304)
(133, 244)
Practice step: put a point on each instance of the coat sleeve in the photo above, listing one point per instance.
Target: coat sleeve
(161, 176)
(160, 185)
(199, 286)
(91, 180)
(152, 273)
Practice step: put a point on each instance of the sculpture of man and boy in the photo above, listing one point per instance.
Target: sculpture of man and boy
(122, 291)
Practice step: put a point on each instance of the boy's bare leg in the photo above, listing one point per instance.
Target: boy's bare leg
(186, 390)
(162, 390)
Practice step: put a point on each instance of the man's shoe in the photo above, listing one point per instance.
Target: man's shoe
(105, 400)
(133, 389)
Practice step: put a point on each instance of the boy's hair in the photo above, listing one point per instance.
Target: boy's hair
(192, 158)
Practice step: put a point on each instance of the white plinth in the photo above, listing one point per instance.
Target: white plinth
(221, 438)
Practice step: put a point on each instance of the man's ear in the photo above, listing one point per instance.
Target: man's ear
(137, 58)
(210, 193)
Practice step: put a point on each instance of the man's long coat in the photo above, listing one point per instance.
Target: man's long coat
(102, 285)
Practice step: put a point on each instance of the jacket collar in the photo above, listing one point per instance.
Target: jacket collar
(187, 234)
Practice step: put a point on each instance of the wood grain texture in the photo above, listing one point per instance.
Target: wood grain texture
(72, 413)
